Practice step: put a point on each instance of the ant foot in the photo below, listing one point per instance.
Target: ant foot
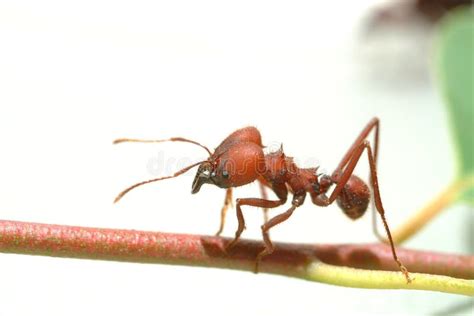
(219, 232)
(257, 265)
(231, 244)
(263, 253)
(406, 274)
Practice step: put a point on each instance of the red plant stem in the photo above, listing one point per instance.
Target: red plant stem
(206, 251)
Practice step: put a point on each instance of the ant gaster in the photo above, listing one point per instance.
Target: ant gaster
(240, 160)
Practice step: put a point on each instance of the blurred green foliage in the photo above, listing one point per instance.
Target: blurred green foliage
(455, 70)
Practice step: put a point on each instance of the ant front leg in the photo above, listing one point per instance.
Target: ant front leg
(264, 194)
(225, 207)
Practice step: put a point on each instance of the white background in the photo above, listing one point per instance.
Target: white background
(75, 76)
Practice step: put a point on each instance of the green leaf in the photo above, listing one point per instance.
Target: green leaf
(455, 70)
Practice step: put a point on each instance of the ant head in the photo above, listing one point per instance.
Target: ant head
(238, 165)
(354, 197)
(203, 175)
(214, 171)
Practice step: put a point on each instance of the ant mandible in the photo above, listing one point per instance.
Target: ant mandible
(240, 160)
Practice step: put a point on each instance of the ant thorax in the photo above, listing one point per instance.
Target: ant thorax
(276, 167)
(282, 169)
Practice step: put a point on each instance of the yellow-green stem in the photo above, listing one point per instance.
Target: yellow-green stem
(351, 277)
(431, 210)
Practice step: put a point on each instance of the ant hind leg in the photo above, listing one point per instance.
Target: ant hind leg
(342, 176)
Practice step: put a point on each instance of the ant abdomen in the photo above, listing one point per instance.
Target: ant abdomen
(354, 197)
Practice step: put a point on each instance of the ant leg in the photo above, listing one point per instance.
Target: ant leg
(269, 248)
(228, 203)
(342, 178)
(264, 194)
(251, 202)
(374, 124)
(225, 207)
(298, 200)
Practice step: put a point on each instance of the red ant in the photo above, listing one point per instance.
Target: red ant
(240, 160)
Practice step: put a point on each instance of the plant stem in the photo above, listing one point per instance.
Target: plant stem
(346, 276)
(431, 210)
(333, 264)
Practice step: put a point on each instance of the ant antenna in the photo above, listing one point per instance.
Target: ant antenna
(178, 173)
(172, 139)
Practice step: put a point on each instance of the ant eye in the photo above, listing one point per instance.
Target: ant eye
(282, 172)
(213, 174)
(225, 174)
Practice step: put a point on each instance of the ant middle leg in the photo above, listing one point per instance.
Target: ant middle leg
(269, 248)
(281, 192)
(228, 203)
(240, 216)
(298, 200)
